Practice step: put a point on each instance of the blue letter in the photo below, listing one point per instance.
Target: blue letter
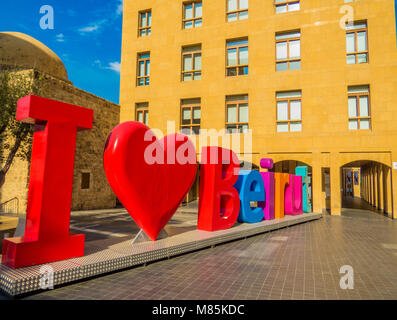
(251, 189)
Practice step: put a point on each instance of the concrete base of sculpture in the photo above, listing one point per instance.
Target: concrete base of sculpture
(104, 256)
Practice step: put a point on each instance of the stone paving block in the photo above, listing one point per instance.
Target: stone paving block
(103, 256)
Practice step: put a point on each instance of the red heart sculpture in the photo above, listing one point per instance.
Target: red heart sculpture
(150, 177)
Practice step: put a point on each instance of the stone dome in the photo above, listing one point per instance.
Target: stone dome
(20, 50)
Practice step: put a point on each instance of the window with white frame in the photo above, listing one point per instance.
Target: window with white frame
(289, 111)
(359, 108)
(192, 14)
(357, 43)
(143, 69)
(145, 23)
(191, 116)
(191, 63)
(287, 5)
(142, 112)
(237, 115)
(237, 10)
(237, 57)
(288, 51)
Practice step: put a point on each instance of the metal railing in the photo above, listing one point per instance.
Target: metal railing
(10, 207)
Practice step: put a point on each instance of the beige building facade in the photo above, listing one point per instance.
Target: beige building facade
(313, 88)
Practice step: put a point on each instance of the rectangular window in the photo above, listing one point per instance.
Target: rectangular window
(191, 116)
(192, 14)
(191, 63)
(237, 57)
(288, 51)
(359, 108)
(145, 23)
(143, 74)
(289, 111)
(287, 5)
(237, 115)
(237, 10)
(357, 43)
(142, 113)
(85, 180)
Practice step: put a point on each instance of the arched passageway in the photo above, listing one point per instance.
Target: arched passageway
(289, 166)
(366, 185)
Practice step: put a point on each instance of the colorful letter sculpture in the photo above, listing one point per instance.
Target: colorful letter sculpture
(281, 181)
(219, 202)
(268, 180)
(47, 238)
(306, 197)
(251, 189)
(146, 175)
(150, 177)
(293, 196)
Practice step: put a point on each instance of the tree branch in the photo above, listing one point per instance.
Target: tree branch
(10, 159)
(3, 129)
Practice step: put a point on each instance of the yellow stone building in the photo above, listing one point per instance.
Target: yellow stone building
(315, 81)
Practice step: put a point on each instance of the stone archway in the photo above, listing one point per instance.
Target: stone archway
(288, 166)
(367, 184)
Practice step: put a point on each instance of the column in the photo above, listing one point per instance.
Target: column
(394, 192)
(375, 204)
(323, 190)
(389, 202)
(317, 184)
(369, 186)
(335, 185)
(373, 188)
(381, 189)
(364, 180)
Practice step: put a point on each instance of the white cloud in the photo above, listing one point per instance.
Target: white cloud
(119, 9)
(92, 27)
(60, 37)
(115, 66)
(89, 29)
(98, 25)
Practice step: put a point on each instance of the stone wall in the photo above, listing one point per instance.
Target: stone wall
(89, 150)
(16, 186)
(16, 180)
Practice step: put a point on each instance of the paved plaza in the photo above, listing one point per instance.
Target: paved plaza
(301, 262)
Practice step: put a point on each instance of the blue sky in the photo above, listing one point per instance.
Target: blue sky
(86, 36)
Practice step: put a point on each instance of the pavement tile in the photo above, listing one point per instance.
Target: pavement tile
(300, 262)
